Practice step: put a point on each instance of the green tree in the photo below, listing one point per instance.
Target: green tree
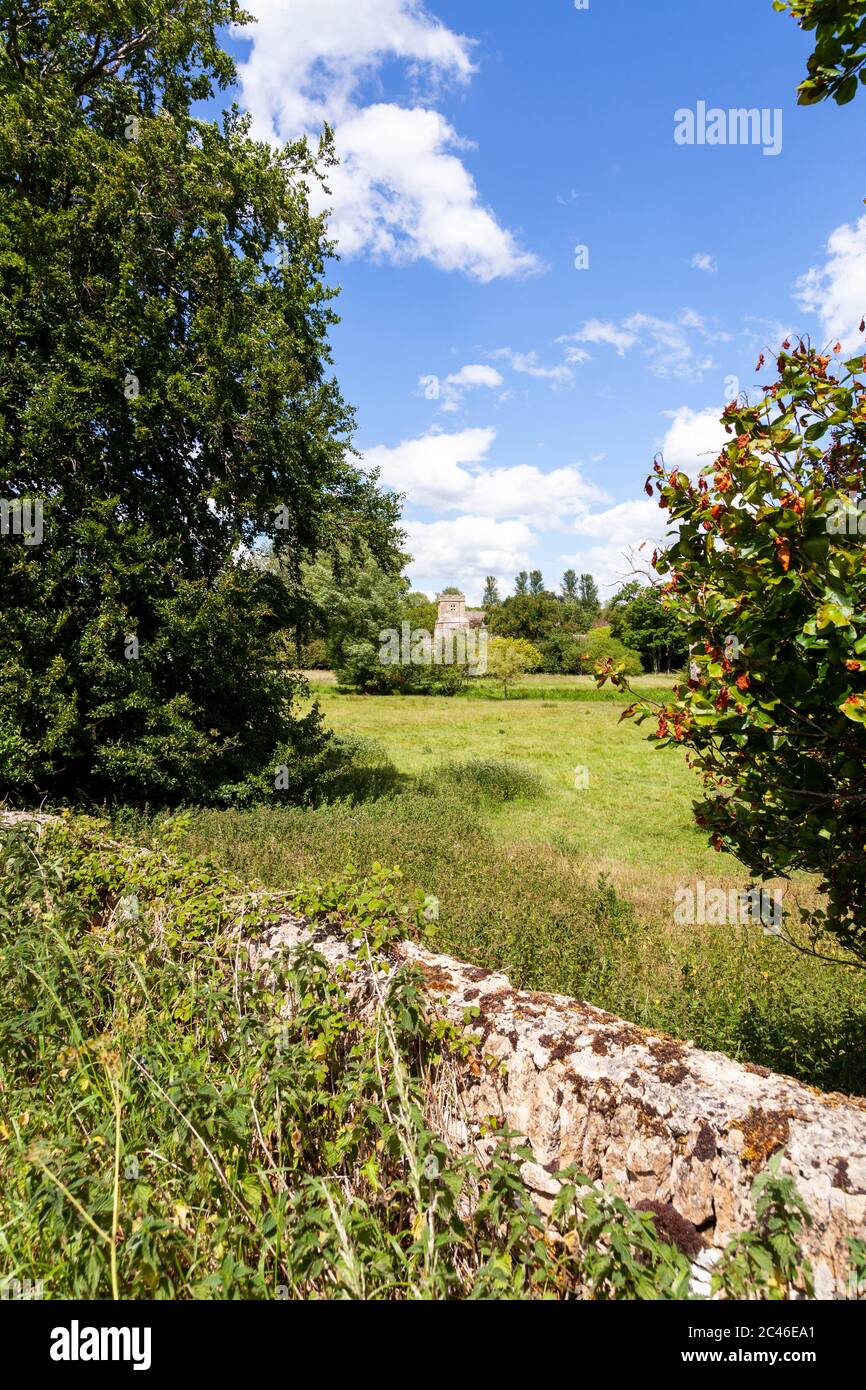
(532, 617)
(490, 598)
(569, 585)
(838, 63)
(521, 583)
(536, 583)
(562, 652)
(588, 594)
(508, 658)
(165, 392)
(641, 619)
(356, 603)
(768, 576)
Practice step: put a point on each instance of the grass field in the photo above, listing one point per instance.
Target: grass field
(564, 889)
(633, 821)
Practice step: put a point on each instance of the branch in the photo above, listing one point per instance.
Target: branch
(110, 62)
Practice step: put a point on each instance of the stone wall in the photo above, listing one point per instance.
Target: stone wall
(655, 1119)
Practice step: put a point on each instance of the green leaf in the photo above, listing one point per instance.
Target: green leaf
(847, 90)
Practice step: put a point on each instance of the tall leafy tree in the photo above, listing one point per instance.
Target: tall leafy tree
(165, 394)
(641, 619)
(521, 583)
(588, 594)
(536, 582)
(532, 617)
(490, 597)
(569, 585)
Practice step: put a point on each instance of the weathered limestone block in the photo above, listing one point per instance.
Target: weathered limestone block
(657, 1120)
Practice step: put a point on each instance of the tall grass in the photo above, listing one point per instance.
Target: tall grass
(545, 918)
(168, 1131)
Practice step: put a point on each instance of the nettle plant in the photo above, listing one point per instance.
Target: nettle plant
(767, 573)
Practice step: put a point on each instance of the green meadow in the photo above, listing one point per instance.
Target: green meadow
(565, 883)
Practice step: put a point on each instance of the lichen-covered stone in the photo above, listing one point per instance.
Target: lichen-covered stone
(658, 1120)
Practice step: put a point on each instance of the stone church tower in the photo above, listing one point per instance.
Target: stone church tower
(454, 616)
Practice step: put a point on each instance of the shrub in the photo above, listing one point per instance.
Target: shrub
(767, 574)
(599, 646)
(510, 657)
(496, 779)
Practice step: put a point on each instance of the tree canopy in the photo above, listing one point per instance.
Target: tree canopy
(165, 395)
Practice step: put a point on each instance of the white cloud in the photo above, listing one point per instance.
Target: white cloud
(609, 548)
(693, 439)
(400, 191)
(702, 260)
(528, 364)
(452, 389)
(463, 551)
(574, 356)
(836, 291)
(596, 331)
(612, 538)
(671, 347)
(449, 472)
(475, 374)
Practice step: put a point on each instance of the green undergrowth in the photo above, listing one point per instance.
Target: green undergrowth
(546, 918)
(168, 1131)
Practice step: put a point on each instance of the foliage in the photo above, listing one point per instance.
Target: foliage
(569, 584)
(490, 598)
(495, 779)
(562, 652)
(168, 400)
(640, 619)
(767, 1263)
(768, 576)
(170, 1131)
(601, 646)
(588, 594)
(552, 624)
(839, 57)
(510, 657)
(521, 894)
(857, 1256)
(355, 603)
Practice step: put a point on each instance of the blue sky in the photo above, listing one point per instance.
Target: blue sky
(517, 400)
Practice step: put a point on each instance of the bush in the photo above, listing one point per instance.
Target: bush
(599, 646)
(496, 779)
(510, 657)
(768, 577)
